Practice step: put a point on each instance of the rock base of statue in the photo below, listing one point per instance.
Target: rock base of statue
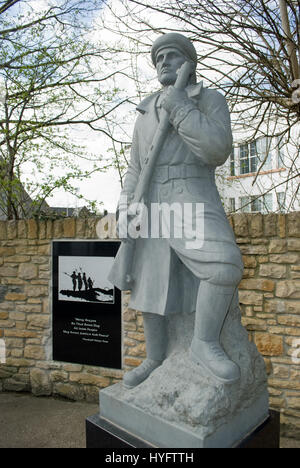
(181, 405)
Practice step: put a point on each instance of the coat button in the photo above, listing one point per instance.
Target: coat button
(179, 189)
(164, 191)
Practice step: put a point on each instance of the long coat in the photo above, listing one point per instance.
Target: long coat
(167, 271)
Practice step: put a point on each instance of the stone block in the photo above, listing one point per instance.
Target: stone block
(270, 224)
(49, 229)
(292, 258)
(16, 315)
(89, 379)
(34, 352)
(58, 376)
(293, 244)
(281, 222)
(289, 320)
(132, 361)
(3, 230)
(7, 323)
(44, 250)
(284, 384)
(240, 222)
(249, 261)
(40, 382)
(37, 321)
(256, 225)
(29, 308)
(37, 291)
(260, 284)
(80, 228)
(293, 224)
(7, 251)
(42, 230)
(289, 289)
(18, 259)
(269, 345)
(15, 333)
(32, 228)
(27, 271)
(254, 249)
(91, 224)
(15, 384)
(8, 271)
(292, 307)
(250, 298)
(66, 390)
(22, 229)
(15, 296)
(278, 246)
(294, 403)
(129, 315)
(12, 229)
(137, 350)
(58, 229)
(272, 270)
(69, 227)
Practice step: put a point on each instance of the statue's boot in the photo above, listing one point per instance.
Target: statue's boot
(213, 303)
(156, 339)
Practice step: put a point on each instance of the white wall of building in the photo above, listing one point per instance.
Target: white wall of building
(276, 187)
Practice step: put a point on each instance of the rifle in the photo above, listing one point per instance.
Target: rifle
(128, 245)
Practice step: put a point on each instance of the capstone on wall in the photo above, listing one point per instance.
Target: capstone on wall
(269, 297)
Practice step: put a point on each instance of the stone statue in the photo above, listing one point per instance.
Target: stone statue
(198, 141)
(203, 383)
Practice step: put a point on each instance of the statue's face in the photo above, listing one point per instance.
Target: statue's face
(168, 61)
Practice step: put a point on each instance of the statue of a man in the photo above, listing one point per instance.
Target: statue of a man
(170, 275)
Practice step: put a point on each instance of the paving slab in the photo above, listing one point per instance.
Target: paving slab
(27, 421)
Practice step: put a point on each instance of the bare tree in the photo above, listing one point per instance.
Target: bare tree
(248, 49)
(54, 76)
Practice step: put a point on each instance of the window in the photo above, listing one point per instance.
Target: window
(244, 159)
(257, 204)
(264, 153)
(253, 157)
(245, 204)
(232, 168)
(267, 203)
(232, 204)
(253, 154)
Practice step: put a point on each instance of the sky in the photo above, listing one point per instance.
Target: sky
(104, 187)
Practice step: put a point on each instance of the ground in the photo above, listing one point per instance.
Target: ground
(27, 421)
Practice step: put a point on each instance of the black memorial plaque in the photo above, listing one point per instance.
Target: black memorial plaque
(86, 307)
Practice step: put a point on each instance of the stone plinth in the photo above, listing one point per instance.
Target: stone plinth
(180, 405)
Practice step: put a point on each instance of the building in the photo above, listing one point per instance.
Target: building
(261, 175)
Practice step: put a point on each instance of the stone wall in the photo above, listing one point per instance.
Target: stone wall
(269, 297)
(270, 302)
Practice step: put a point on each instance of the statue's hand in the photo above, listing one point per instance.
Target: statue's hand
(177, 103)
(174, 98)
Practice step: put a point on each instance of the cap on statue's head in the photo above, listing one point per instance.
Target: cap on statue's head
(180, 42)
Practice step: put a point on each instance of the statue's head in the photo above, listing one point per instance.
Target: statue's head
(168, 53)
